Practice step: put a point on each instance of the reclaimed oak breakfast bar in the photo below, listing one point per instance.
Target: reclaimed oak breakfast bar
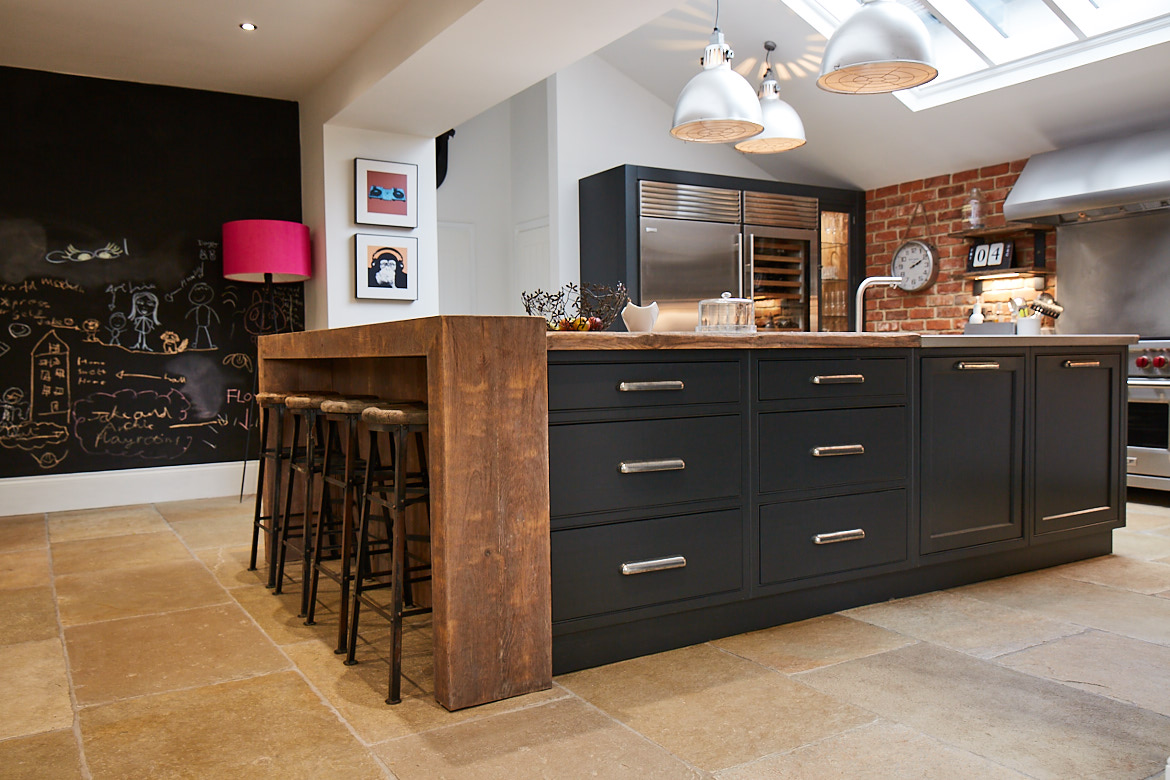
(598, 496)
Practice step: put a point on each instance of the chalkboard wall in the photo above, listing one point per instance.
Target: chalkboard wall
(121, 345)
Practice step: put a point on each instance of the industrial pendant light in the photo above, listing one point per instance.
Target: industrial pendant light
(783, 129)
(882, 47)
(718, 105)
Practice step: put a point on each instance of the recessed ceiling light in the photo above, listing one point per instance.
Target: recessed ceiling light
(247, 26)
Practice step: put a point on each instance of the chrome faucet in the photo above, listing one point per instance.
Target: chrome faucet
(872, 281)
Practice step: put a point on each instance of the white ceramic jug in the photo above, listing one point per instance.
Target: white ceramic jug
(640, 318)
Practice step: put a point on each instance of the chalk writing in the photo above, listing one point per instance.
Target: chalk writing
(132, 423)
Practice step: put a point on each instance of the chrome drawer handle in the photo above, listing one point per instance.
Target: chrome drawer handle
(984, 365)
(838, 449)
(1130, 460)
(1081, 364)
(643, 466)
(838, 379)
(1162, 383)
(839, 536)
(641, 387)
(655, 564)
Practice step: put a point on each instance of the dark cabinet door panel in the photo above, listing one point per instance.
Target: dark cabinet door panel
(830, 379)
(622, 566)
(1077, 441)
(972, 451)
(627, 385)
(825, 535)
(831, 447)
(603, 466)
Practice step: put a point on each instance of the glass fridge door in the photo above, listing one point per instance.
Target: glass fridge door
(780, 260)
(834, 272)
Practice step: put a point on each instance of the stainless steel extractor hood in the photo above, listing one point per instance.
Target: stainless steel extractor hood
(1097, 181)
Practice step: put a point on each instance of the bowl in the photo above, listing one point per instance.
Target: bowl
(588, 307)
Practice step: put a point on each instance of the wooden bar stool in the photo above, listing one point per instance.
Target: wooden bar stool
(393, 488)
(339, 504)
(271, 405)
(305, 463)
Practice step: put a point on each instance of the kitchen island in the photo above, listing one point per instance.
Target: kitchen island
(698, 486)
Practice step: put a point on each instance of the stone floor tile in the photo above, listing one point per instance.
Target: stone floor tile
(24, 569)
(1145, 545)
(1148, 500)
(36, 689)
(117, 552)
(962, 623)
(272, 726)
(1035, 726)
(878, 751)
(1121, 668)
(712, 709)
(204, 508)
(230, 566)
(29, 614)
(219, 529)
(1083, 603)
(798, 647)
(277, 615)
(135, 656)
(560, 739)
(53, 755)
(1143, 520)
(143, 590)
(359, 692)
(22, 532)
(1117, 571)
(98, 523)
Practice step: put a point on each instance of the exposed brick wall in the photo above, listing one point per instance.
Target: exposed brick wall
(946, 305)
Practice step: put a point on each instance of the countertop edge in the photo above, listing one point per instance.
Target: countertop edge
(569, 340)
(1056, 340)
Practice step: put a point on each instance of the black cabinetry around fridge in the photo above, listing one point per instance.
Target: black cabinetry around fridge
(677, 238)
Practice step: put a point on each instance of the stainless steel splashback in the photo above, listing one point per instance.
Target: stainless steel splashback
(1114, 276)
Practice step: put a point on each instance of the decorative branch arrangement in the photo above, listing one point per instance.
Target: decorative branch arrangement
(589, 307)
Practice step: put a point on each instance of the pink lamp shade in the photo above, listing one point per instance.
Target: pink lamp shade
(255, 247)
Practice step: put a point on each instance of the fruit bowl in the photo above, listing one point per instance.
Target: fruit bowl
(589, 307)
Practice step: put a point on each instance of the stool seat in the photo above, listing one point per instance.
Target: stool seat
(350, 404)
(387, 415)
(307, 401)
(270, 399)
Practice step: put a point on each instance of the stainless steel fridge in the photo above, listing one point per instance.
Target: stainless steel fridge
(699, 242)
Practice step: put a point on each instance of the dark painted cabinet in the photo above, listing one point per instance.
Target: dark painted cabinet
(702, 493)
(971, 468)
(1078, 410)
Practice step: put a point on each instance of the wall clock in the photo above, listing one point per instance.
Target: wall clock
(917, 263)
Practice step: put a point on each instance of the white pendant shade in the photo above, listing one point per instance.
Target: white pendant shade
(882, 47)
(783, 129)
(718, 105)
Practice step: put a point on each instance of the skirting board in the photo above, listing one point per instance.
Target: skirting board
(95, 489)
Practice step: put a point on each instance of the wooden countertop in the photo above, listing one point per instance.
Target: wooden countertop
(576, 340)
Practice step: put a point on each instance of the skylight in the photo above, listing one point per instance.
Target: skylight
(982, 45)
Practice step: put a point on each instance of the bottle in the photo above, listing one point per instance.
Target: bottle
(975, 210)
(977, 311)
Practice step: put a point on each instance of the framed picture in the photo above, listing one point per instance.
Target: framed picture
(386, 267)
(386, 193)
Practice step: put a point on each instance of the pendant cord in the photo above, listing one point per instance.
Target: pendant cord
(716, 14)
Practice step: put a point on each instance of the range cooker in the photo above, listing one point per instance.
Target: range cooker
(1148, 454)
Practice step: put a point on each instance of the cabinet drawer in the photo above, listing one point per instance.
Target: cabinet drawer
(625, 385)
(836, 378)
(587, 563)
(831, 447)
(827, 535)
(603, 466)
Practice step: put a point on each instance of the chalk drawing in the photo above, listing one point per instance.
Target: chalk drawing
(144, 317)
(19, 330)
(200, 297)
(50, 380)
(72, 254)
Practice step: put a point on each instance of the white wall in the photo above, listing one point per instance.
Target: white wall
(334, 275)
(475, 204)
(602, 120)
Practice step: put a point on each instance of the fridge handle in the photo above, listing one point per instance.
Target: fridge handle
(739, 254)
(747, 270)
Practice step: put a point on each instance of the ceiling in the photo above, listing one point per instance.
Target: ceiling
(448, 67)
